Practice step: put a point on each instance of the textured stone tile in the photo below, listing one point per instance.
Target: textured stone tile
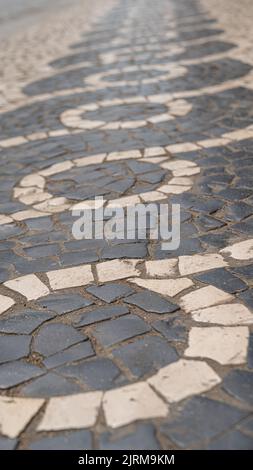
(117, 269)
(74, 353)
(233, 440)
(226, 345)
(161, 268)
(14, 347)
(197, 263)
(184, 378)
(114, 331)
(172, 329)
(100, 314)
(239, 383)
(70, 277)
(33, 180)
(75, 440)
(204, 297)
(167, 287)
(130, 250)
(227, 315)
(151, 302)
(29, 286)
(24, 322)
(242, 250)
(141, 438)
(201, 419)
(16, 413)
(49, 385)
(5, 303)
(131, 403)
(64, 303)
(222, 279)
(110, 292)
(73, 412)
(29, 214)
(145, 355)
(56, 337)
(97, 374)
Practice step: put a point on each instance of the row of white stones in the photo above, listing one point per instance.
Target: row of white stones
(31, 188)
(72, 118)
(225, 344)
(168, 72)
(245, 81)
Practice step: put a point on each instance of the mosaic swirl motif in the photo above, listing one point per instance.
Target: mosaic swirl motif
(98, 335)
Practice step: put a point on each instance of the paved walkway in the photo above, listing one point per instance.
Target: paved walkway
(120, 344)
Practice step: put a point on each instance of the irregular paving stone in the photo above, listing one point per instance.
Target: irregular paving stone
(102, 313)
(226, 345)
(117, 269)
(56, 337)
(75, 258)
(14, 347)
(113, 331)
(17, 372)
(222, 279)
(145, 355)
(197, 263)
(75, 440)
(228, 314)
(110, 292)
(204, 297)
(49, 385)
(16, 413)
(184, 378)
(29, 286)
(64, 303)
(245, 271)
(7, 444)
(73, 412)
(238, 383)
(131, 403)
(201, 419)
(136, 250)
(141, 438)
(242, 250)
(151, 302)
(72, 354)
(5, 303)
(24, 322)
(97, 374)
(40, 251)
(161, 268)
(172, 329)
(234, 440)
(238, 211)
(70, 277)
(247, 297)
(166, 287)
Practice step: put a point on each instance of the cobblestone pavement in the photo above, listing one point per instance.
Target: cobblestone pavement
(121, 345)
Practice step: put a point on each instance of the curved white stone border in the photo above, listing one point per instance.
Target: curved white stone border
(226, 342)
(72, 118)
(168, 72)
(31, 189)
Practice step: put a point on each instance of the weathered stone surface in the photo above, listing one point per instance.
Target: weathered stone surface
(201, 419)
(56, 337)
(151, 302)
(115, 331)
